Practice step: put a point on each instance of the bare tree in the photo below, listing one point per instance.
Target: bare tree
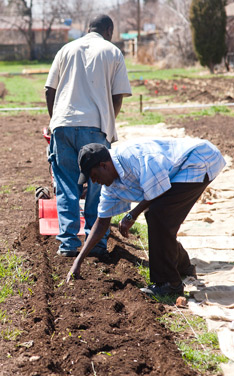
(180, 9)
(25, 14)
(82, 12)
(22, 18)
(2, 6)
(51, 12)
(125, 15)
(172, 19)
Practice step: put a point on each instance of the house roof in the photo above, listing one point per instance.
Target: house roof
(11, 23)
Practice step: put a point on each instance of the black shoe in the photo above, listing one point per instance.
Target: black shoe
(164, 289)
(190, 271)
(67, 253)
(98, 251)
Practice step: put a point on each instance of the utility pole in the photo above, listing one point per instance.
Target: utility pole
(138, 21)
(118, 20)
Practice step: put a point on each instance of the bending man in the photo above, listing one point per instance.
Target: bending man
(166, 176)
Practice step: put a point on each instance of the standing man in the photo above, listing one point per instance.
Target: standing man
(166, 176)
(84, 92)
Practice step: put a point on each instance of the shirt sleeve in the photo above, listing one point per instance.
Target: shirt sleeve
(121, 83)
(53, 76)
(110, 206)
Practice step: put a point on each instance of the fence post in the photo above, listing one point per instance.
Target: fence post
(140, 102)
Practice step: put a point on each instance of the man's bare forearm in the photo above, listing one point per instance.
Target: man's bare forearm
(117, 103)
(96, 234)
(50, 95)
(143, 205)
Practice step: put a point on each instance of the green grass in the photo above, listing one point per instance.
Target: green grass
(144, 271)
(201, 351)
(177, 323)
(18, 66)
(137, 229)
(144, 118)
(3, 316)
(5, 189)
(201, 360)
(136, 91)
(10, 334)
(146, 72)
(23, 91)
(30, 189)
(12, 274)
(210, 111)
(28, 91)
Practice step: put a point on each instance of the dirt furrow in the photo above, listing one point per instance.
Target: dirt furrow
(101, 323)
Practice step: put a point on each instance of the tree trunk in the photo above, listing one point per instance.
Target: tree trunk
(211, 68)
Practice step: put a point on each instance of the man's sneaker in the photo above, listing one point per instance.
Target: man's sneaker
(190, 271)
(98, 251)
(164, 289)
(67, 252)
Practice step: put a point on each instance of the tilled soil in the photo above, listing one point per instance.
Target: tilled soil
(101, 324)
(211, 90)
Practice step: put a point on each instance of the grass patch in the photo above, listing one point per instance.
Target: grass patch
(23, 91)
(144, 271)
(201, 360)
(30, 189)
(201, 352)
(5, 189)
(116, 219)
(211, 111)
(12, 274)
(144, 118)
(143, 72)
(137, 228)
(177, 323)
(19, 66)
(10, 334)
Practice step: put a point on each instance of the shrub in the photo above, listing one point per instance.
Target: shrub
(208, 23)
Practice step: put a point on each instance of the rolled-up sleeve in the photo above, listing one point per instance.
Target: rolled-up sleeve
(110, 206)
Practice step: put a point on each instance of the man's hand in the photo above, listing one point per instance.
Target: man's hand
(124, 226)
(96, 234)
(74, 272)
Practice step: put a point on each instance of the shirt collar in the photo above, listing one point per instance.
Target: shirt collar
(117, 165)
(94, 34)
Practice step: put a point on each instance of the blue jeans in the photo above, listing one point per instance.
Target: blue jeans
(65, 145)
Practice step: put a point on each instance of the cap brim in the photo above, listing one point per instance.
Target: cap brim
(82, 178)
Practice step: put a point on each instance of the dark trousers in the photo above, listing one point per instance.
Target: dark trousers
(168, 260)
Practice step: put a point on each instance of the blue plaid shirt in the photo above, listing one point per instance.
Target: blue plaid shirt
(147, 167)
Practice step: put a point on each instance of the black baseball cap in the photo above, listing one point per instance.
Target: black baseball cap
(89, 156)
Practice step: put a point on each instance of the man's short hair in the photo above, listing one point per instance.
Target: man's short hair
(101, 23)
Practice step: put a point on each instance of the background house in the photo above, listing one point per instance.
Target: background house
(46, 40)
